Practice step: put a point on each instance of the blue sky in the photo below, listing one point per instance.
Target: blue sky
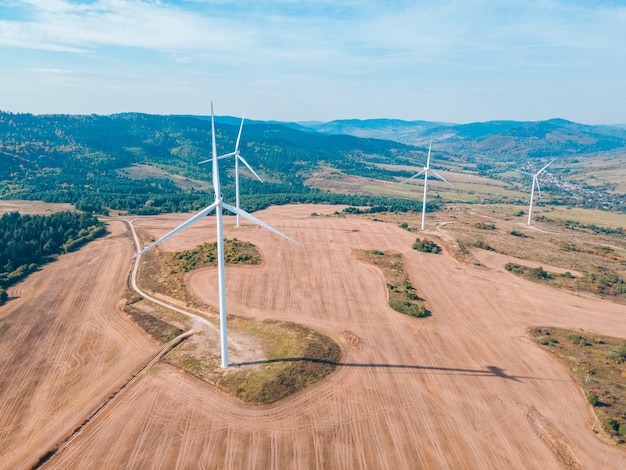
(449, 60)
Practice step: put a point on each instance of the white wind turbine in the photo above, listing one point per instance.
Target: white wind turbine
(532, 191)
(425, 171)
(238, 157)
(218, 205)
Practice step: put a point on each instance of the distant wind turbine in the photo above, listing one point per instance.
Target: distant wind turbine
(532, 191)
(425, 171)
(238, 157)
(218, 205)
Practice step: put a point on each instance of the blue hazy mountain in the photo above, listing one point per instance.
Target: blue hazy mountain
(494, 138)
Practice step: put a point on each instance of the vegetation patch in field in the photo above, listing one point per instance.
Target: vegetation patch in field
(296, 358)
(483, 225)
(403, 296)
(602, 251)
(598, 364)
(575, 225)
(601, 282)
(517, 233)
(293, 358)
(235, 252)
(483, 245)
(426, 246)
(164, 272)
(155, 327)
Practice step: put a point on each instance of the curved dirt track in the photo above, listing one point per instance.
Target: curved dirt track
(461, 389)
(64, 346)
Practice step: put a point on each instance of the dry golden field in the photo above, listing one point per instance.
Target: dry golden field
(463, 388)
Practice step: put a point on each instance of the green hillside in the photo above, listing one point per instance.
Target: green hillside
(147, 164)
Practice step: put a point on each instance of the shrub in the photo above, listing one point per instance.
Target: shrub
(483, 225)
(547, 340)
(408, 308)
(426, 246)
(592, 398)
(610, 424)
(618, 353)
(483, 245)
(577, 339)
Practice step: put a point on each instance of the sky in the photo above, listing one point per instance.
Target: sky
(455, 61)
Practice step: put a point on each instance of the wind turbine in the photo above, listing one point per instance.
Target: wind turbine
(532, 191)
(425, 171)
(218, 205)
(238, 157)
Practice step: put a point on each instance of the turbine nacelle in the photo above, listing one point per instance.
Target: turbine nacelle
(238, 158)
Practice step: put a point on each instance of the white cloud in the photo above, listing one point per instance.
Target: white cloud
(59, 24)
(325, 54)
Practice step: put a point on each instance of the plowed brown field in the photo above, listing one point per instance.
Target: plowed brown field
(64, 347)
(463, 388)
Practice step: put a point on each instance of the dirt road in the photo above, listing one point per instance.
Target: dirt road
(463, 388)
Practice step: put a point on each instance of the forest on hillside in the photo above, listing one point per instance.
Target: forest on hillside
(29, 241)
(77, 159)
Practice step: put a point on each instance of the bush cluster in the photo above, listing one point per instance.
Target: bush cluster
(426, 246)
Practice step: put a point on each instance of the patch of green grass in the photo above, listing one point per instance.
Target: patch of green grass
(235, 252)
(296, 357)
(403, 297)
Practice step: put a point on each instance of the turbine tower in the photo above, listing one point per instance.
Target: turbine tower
(238, 157)
(532, 191)
(218, 205)
(425, 171)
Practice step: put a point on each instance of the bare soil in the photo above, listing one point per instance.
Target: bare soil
(464, 388)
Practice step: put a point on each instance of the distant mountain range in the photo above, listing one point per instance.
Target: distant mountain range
(554, 137)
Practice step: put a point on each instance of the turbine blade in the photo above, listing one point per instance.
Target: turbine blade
(525, 173)
(260, 223)
(549, 163)
(429, 147)
(226, 155)
(205, 161)
(243, 160)
(239, 135)
(439, 176)
(414, 176)
(182, 226)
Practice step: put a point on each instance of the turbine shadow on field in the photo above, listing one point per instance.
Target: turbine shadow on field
(489, 371)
